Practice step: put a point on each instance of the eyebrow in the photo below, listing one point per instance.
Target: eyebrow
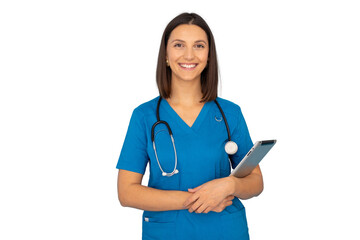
(179, 40)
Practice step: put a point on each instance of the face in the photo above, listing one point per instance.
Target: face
(187, 52)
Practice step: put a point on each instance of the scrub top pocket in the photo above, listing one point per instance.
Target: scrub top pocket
(159, 225)
(234, 226)
(158, 230)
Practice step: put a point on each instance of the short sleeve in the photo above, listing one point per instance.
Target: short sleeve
(133, 156)
(242, 138)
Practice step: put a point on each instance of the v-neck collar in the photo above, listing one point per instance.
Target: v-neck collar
(199, 119)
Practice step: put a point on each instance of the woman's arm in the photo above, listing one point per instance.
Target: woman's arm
(208, 195)
(132, 194)
(247, 187)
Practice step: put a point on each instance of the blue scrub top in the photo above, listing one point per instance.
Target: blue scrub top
(201, 158)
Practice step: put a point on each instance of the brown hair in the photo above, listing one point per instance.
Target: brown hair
(209, 76)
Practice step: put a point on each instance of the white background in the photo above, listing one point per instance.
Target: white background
(72, 72)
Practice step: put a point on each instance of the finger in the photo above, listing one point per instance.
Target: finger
(207, 210)
(222, 206)
(194, 189)
(217, 209)
(201, 209)
(190, 200)
(228, 199)
(195, 206)
(231, 197)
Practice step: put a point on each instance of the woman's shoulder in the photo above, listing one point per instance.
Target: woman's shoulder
(148, 107)
(228, 106)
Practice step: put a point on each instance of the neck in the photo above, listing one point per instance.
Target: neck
(185, 92)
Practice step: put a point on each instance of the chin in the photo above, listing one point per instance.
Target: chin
(189, 79)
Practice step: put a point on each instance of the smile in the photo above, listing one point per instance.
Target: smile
(189, 66)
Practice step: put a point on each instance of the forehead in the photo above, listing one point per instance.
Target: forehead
(187, 32)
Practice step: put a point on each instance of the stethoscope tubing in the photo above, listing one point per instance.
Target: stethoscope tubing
(175, 171)
(225, 121)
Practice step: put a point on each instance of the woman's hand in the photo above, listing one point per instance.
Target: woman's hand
(225, 203)
(210, 196)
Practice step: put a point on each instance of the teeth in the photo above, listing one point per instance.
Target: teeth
(188, 66)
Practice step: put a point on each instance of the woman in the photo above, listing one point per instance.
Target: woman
(190, 194)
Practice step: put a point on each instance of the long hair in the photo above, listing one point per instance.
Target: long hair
(209, 76)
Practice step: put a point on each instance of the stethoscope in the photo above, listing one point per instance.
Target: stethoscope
(230, 147)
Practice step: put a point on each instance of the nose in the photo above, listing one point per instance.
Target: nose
(189, 54)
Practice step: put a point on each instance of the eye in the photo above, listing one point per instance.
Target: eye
(199, 46)
(178, 45)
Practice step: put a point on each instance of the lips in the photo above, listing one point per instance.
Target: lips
(188, 66)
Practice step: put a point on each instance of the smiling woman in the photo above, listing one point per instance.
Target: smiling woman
(188, 36)
(190, 191)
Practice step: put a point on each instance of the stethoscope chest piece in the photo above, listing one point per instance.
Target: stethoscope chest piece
(231, 147)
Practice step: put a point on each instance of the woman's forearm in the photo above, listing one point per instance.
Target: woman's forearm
(151, 199)
(247, 187)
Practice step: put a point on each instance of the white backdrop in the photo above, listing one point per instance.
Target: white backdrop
(72, 72)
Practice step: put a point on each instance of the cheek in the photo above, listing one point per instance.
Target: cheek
(204, 56)
(173, 56)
